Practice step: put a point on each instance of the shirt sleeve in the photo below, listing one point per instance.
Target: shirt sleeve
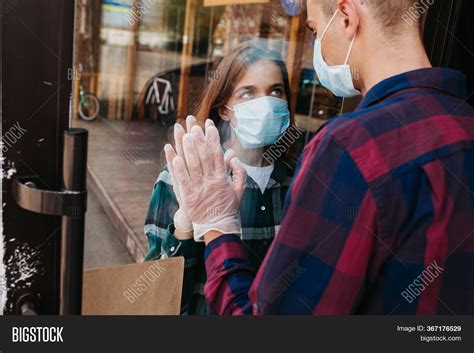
(159, 227)
(162, 243)
(161, 209)
(319, 259)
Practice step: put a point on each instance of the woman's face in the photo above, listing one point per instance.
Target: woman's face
(263, 78)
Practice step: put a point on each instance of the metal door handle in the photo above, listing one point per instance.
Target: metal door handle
(30, 194)
(70, 202)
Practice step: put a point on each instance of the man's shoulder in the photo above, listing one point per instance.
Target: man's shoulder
(407, 109)
(400, 131)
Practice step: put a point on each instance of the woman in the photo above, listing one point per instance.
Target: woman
(248, 101)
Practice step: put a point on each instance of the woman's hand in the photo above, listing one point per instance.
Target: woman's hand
(209, 195)
(181, 220)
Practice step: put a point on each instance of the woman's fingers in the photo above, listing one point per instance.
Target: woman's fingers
(182, 176)
(192, 159)
(228, 155)
(239, 177)
(170, 154)
(199, 158)
(190, 123)
(209, 122)
(179, 133)
(215, 149)
(178, 139)
(203, 150)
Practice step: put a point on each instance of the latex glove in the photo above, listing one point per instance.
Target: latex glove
(183, 225)
(181, 219)
(211, 197)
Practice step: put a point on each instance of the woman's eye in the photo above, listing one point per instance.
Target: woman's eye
(246, 95)
(277, 92)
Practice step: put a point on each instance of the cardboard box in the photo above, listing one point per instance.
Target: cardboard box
(150, 288)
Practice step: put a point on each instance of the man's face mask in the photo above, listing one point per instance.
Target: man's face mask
(338, 78)
(261, 122)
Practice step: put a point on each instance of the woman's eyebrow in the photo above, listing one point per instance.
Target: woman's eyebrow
(248, 87)
(276, 85)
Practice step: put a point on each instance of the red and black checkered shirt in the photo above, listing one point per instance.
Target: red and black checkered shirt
(380, 215)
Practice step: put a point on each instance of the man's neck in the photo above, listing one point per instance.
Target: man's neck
(383, 64)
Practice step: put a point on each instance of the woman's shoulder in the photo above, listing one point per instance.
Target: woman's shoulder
(162, 194)
(163, 178)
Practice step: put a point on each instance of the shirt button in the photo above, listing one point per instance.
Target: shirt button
(172, 248)
(263, 208)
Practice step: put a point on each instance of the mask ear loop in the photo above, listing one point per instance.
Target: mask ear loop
(350, 49)
(329, 23)
(345, 63)
(341, 111)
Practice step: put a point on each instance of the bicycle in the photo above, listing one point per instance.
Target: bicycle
(163, 99)
(89, 105)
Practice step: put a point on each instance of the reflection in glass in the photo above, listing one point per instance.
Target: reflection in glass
(149, 63)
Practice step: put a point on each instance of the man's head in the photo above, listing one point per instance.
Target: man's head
(391, 15)
(392, 26)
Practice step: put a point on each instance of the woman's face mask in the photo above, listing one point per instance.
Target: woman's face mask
(261, 122)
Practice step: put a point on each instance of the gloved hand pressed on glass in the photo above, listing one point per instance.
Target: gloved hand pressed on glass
(181, 219)
(211, 197)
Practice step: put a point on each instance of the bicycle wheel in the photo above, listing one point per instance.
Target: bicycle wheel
(89, 107)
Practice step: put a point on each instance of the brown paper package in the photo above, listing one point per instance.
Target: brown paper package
(150, 288)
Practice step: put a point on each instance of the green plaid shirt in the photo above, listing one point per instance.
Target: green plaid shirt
(260, 215)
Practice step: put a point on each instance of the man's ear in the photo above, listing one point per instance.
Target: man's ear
(350, 17)
(224, 113)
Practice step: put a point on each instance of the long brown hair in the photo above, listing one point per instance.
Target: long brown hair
(229, 71)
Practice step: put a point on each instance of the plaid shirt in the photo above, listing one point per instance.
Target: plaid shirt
(379, 218)
(260, 215)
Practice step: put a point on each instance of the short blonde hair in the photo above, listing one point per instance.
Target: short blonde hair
(392, 14)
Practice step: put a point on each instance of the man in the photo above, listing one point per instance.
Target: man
(380, 216)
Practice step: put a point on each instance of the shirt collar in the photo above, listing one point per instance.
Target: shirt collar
(442, 79)
(283, 169)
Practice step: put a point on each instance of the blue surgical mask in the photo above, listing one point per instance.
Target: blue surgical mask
(338, 78)
(261, 121)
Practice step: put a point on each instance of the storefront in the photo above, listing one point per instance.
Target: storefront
(179, 43)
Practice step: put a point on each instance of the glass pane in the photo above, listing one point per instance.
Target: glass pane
(143, 66)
